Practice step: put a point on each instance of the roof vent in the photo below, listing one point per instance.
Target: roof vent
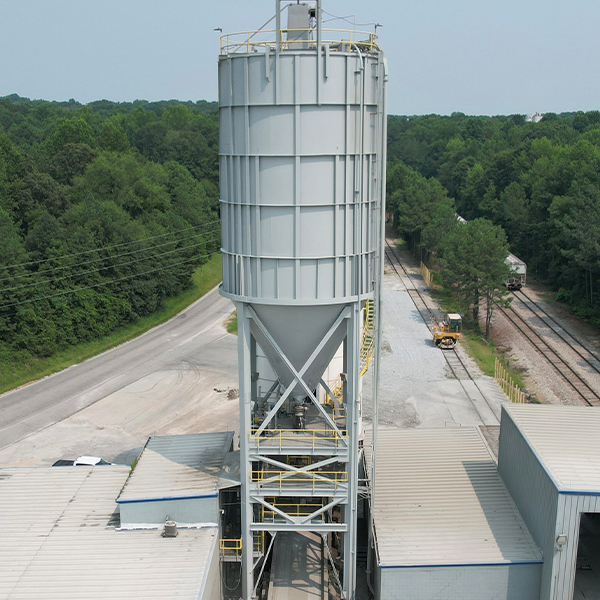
(170, 529)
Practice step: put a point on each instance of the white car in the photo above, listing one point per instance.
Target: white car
(82, 461)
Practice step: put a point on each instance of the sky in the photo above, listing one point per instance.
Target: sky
(479, 57)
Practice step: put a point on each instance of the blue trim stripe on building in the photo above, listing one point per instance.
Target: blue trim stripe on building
(166, 498)
(504, 564)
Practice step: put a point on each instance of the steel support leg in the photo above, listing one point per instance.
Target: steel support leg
(245, 361)
(352, 401)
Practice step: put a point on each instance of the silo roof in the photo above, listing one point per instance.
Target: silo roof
(566, 441)
(439, 501)
(58, 540)
(179, 467)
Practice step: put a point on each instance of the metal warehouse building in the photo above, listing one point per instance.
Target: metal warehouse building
(549, 459)
(59, 540)
(62, 535)
(177, 477)
(445, 525)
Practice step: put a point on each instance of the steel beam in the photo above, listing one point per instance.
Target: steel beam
(245, 360)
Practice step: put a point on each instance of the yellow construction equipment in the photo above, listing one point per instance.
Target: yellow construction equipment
(447, 332)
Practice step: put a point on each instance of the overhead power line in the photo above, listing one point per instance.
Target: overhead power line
(152, 237)
(114, 266)
(346, 18)
(94, 260)
(89, 287)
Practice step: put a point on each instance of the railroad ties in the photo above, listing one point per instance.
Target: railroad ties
(540, 343)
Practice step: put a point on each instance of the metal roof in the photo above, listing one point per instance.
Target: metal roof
(514, 261)
(178, 466)
(566, 440)
(58, 541)
(439, 501)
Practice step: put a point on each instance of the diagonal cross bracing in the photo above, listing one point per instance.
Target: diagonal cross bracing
(298, 375)
(295, 470)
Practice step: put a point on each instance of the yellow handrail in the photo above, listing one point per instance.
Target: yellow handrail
(366, 352)
(230, 546)
(233, 546)
(285, 478)
(297, 510)
(241, 41)
(270, 437)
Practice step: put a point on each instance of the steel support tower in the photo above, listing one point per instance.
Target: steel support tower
(302, 116)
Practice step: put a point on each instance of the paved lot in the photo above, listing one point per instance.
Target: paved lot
(160, 383)
(164, 383)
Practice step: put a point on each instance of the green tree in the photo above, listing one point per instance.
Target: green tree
(472, 260)
(577, 222)
(128, 180)
(70, 131)
(422, 209)
(112, 136)
(71, 162)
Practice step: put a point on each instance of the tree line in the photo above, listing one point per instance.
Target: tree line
(105, 210)
(533, 188)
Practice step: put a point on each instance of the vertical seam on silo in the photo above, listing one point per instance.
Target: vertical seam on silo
(368, 221)
(240, 224)
(246, 203)
(297, 182)
(258, 217)
(347, 280)
(335, 223)
(230, 191)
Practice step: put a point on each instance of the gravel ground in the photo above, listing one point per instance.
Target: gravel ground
(417, 387)
(541, 378)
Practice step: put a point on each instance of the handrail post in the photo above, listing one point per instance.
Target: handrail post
(278, 26)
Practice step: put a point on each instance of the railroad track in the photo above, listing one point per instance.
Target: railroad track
(560, 365)
(455, 362)
(568, 338)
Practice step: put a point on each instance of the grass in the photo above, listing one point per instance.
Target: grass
(485, 354)
(17, 374)
(231, 323)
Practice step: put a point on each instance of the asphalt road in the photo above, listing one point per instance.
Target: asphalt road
(195, 339)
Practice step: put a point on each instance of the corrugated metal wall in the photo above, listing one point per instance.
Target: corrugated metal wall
(533, 492)
(546, 511)
(211, 586)
(187, 511)
(570, 507)
(510, 582)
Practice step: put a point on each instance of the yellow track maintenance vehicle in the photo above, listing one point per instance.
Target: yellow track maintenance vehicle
(447, 332)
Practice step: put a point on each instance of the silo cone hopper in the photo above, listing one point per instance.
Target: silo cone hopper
(299, 332)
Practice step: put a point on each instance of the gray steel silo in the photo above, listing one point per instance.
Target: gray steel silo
(302, 122)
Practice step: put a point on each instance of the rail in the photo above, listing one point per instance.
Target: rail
(233, 546)
(366, 354)
(291, 479)
(561, 366)
(454, 361)
(292, 510)
(312, 438)
(558, 329)
(244, 42)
